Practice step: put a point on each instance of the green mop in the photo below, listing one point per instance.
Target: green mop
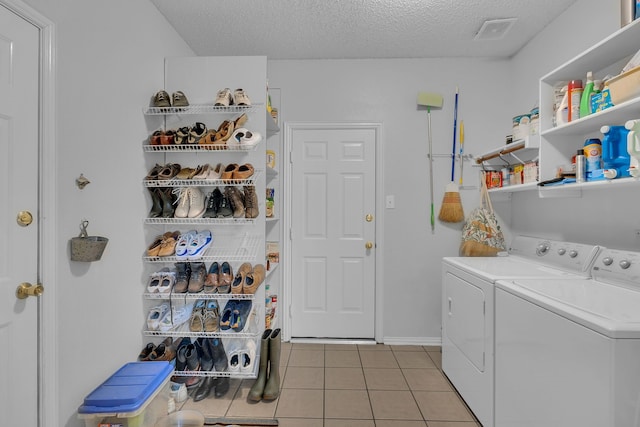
(430, 100)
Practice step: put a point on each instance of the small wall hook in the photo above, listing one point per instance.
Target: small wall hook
(82, 182)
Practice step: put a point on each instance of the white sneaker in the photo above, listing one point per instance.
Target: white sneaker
(176, 317)
(244, 138)
(183, 243)
(224, 98)
(240, 98)
(155, 316)
(196, 202)
(182, 202)
(199, 244)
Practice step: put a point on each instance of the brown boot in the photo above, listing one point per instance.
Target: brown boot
(250, 202)
(237, 201)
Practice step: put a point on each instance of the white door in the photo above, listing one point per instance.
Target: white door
(19, 252)
(333, 188)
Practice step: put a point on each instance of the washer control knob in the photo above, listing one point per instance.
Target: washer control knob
(542, 249)
(625, 263)
(607, 260)
(562, 251)
(573, 253)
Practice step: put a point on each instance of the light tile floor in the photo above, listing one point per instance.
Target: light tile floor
(327, 385)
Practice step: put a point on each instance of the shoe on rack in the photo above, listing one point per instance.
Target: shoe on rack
(244, 171)
(154, 173)
(254, 279)
(196, 321)
(168, 245)
(198, 246)
(184, 241)
(211, 281)
(240, 121)
(247, 357)
(196, 203)
(238, 281)
(162, 352)
(244, 138)
(224, 98)
(225, 130)
(146, 351)
(169, 171)
(156, 137)
(203, 171)
(225, 317)
(229, 170)
(166, 196)
(183, 273)
(240, 315)
(161, 99)
(241, 98)
(224, 209)
(154, 247)
(156, 203)
(196, 281)
(155, 278)
(225, 278)
(193, 365)
(182, 135)
(182, 202)
(179, 314)
(211, 316)
(213, 204)
(196, 132)
(250, 202)
(168, 137)
(237, 202)
(156, 314)
(167, 281)
(216, 172)
(179, 99)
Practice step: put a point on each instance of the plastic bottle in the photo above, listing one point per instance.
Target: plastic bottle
(585, 100)
(580, 166)
(562, 113)
(575, 96)
(593, 156)
(615, 155)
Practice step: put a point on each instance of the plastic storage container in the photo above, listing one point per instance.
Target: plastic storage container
(136, 395)
(625, 86)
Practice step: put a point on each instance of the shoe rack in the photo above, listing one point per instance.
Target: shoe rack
(235, 240)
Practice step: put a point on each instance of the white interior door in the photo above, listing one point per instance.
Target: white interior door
(333, 190)
(19, 127)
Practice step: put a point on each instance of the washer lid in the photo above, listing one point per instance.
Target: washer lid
(611, 310)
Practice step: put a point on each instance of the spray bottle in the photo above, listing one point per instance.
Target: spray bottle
(585, 100)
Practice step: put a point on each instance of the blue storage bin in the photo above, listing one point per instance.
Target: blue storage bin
(134, 396)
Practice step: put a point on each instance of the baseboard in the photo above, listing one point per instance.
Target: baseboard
(432, 341)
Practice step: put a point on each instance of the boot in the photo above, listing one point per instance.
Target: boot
(167, 201)
(257, 390)
(204, 389)
(250, 202)
(221, 364)
(237, 202)
(193, 365)
(272, 389)
(156, 203)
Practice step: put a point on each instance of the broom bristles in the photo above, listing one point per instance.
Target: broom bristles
(451, 209)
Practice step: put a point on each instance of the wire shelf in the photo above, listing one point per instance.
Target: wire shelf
(200, 221)
(195, 148)
(194, 296)
(173, 182)
(218, 334)
(200, 109)
(230, 248)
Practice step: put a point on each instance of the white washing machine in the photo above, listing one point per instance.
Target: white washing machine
(568, 351)
(468, 308)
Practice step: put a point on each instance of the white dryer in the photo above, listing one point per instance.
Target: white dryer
(468, 308)
(568, 351)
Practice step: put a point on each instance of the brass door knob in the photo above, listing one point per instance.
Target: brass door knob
(24, 218)
(25, 290)
(368, 245)
(369, 217)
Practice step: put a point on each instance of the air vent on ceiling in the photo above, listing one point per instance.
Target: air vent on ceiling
(495, 29)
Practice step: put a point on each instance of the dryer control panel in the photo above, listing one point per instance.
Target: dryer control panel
(617, 267)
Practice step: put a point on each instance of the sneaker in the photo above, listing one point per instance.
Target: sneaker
(240, 98)
(179, 99)
(224, 98)
(225, 210)
(182, 202)
(236, 199)
(244, 138)
(156, 314)
(198, 245)
(196, 203)
(184, 241)
(213, 202)
(161, 99)
(179, 314)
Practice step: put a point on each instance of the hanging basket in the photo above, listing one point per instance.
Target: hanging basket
(87, 248)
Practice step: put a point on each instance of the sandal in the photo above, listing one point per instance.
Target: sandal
(211, 316)
(196, 323)
(225, 130)
(240, 121)
(182, 135)
(196, 132)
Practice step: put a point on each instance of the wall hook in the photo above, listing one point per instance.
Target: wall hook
(82, 182)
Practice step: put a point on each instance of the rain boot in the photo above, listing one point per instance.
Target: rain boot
(257, 390)
(272, 389)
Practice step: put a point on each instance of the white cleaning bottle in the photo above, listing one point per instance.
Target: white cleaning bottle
(562, 113)
(633, 146)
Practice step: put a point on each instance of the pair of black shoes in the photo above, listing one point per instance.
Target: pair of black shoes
(203, 355)
(225, 205)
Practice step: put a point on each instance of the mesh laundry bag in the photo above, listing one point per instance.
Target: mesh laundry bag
(481, 234)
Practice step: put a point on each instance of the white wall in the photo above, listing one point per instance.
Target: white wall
(110, 61)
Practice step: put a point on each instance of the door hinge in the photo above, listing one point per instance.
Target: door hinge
(290, 157)
(290, 311)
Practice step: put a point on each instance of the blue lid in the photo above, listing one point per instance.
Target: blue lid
(127, 389)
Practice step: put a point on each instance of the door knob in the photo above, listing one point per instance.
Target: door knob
(368, 245)
(24, 218)
(369, 217)
(25, 290)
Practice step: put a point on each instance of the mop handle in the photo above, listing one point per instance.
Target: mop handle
(455, 126)
(461, 149)
(433, 218)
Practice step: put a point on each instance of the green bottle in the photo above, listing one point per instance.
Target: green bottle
(585, 100)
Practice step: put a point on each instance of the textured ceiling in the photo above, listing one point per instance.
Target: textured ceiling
(321, 29)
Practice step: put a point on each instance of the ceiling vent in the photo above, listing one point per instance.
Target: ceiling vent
(494, 29)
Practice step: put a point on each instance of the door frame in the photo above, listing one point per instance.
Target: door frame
(48, 238)
(289, 128)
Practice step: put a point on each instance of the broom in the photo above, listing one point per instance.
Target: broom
(430, 100)
(451, 209)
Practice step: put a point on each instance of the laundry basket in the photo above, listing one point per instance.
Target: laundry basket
(87, 248)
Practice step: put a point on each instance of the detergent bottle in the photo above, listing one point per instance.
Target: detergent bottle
(562, 112)
(593, 157)
(633, 146)
(615, 157)
(585, 100)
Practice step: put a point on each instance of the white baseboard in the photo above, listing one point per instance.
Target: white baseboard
(433, 341)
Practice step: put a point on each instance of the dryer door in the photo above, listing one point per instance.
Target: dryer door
(464, 318)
